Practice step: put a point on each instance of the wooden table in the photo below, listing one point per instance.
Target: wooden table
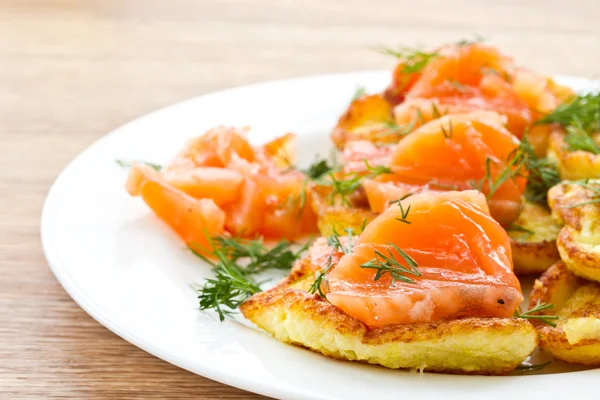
(72, 70)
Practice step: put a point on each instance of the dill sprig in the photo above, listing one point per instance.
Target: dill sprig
(448, 133)
(487, 70)
(448, 186)
(580, 116)
(230, 287)
(402, 130)
(435, 111)
(403, 212)
(530, 314)
(336, 246)
(520, 228)
(543, 173)
(320, 276)
(593, 186)
(129, 164)
(467, 42)
(383, 264)
(583, 108)
(532, 367)
(314, 172)
(360, 92)
(348, 183)
(343, 188)
(413, 60)
(577, 138)
(459, 86)
(237, 262)
(512, 169)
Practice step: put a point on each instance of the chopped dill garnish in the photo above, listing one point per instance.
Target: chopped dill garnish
(237, 263)
(530, 314)
(580, 116)
(336, 246)
(403, 130)
(360, 92)
(447, 134)
(459, 86)
(383, 264)
(435, 111)
(334, 241)
(449, 186)
(583, 108)
(129, 164)
(543, 173)
(315, 171)
(413, 60)
(378, 169)
(515, 162)
(348, 183)
(520, 228)
(467, 42)
(343, 188)
(487, 70)
(593, 186)
(578, 138)
(533, 367)
(403, 212)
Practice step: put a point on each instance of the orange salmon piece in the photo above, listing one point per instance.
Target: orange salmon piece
(214, 149)
(458, 161)
(469, 78)
(244, 216)
(219, 184)
(465, 65)
(463, 257)
(356, 152)
(402, 82)
(194, 220)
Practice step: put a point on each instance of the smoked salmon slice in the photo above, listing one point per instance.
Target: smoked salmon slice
(194, 220)
(220, 184)
(462, 258)
(468, 78)
(455, 152)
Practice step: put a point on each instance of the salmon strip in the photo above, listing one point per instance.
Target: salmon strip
(219, 184)
(251, 190)
(194, 220)
(463, 257)
(451, 153)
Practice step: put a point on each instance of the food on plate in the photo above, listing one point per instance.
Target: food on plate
(575, 338)
(533, 239)
(219, 184)
(466, 170)
(194, 220)
(457, 78)
(577, 205)
(439, 297)
(462, 151)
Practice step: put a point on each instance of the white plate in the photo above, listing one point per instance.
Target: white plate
(131, 273)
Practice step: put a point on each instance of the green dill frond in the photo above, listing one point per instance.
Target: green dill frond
(129, 164)
(531, 314)
(413, 60)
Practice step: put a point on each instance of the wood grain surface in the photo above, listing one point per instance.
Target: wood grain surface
(72, 70)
